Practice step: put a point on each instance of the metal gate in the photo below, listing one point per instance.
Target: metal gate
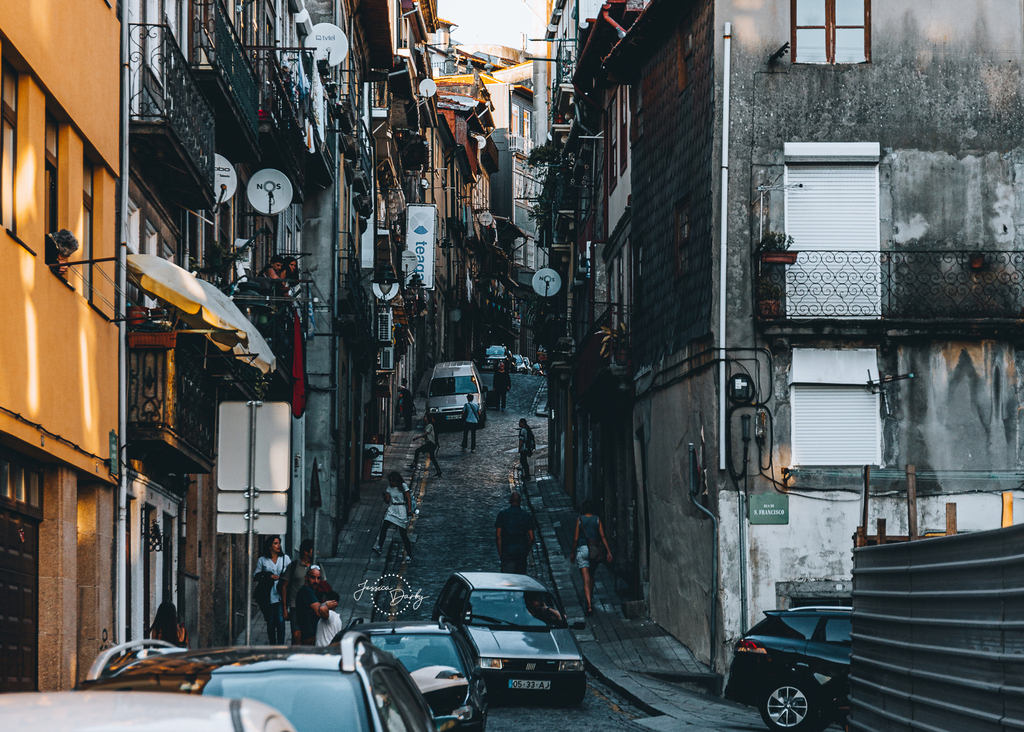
(938, 634)
(19, 600)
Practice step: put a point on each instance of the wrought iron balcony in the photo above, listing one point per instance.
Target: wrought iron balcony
(171, 402)
(910, 286)
(172, 124)
(228, 79)
(281, 113)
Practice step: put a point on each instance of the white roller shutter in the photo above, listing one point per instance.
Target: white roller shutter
(834, 217)
(835, 425)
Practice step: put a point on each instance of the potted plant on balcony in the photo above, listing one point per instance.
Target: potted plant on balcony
(774, 248)
(615, 343)
(769, 298)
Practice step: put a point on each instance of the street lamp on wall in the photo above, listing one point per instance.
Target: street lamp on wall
(385, 282)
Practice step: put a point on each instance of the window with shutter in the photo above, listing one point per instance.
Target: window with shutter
(835, 417)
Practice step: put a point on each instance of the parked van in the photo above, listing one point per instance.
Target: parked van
(450, 385)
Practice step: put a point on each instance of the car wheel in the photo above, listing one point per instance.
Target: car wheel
(792, 705)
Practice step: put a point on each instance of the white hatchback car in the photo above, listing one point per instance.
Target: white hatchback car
(137, 711)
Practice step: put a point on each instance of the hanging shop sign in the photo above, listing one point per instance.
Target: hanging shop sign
(421, 237)
(769, 508)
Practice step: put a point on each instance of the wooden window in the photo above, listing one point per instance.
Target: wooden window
(831, 31)
(8, 144)
(613, 148)
(50, 209)
(87, 269)
(682, 236)
(623, 130)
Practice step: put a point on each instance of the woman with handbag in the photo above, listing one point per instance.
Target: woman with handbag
(591, 551)
(270, 568)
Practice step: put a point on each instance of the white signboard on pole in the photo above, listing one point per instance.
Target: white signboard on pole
(273, 446)
(421, 239)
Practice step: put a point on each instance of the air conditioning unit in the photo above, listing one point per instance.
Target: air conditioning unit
(387, 358)
(385, 325)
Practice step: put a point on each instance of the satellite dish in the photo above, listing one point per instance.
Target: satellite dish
(409, 262)
(428, 88)
(455, 315)
(225, 180)
(485, 218)
(329, 42)
(546, 282)
(269, 191)
(378, 291)
(481, 141)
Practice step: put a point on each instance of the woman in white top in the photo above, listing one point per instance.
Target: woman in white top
(269, 569)
(399, 501)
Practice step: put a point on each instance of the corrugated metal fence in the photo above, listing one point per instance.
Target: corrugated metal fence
(938, 634)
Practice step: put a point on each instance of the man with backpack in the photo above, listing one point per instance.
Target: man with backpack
(527, 444)
(471, 418)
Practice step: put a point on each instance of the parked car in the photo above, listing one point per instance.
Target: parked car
(71, 711)
(441, 663)
(307, 684)
(450, 385)
(520, 639)
(493, 356)
(794, 666)
(521, 363)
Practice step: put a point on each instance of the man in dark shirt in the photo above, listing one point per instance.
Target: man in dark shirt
(514, 535)
(308, 609)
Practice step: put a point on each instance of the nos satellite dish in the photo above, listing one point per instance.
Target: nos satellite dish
(485, 218)
(225, 180)
(329, 42)
(269, 191)
(428, 88)
(546, 282)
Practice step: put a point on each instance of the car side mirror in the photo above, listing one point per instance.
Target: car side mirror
(579, 625)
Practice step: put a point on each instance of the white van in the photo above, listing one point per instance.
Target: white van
(450, 385)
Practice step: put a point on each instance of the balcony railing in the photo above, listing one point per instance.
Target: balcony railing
(217, 47)
(896, 285)
(171, 402)
(281, 94)
(164, 98)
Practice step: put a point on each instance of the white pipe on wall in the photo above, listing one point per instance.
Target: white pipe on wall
(724, 248)
(120, 571)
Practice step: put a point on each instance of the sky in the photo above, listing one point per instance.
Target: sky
(503, 22)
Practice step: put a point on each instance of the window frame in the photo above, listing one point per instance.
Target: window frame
(612, 112)
(51, 211)
(88, 178)
(830, 34)
(623, 131)
(8, 163)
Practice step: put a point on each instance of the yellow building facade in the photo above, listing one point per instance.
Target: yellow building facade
(59, 148)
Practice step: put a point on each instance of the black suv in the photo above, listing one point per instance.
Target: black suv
(794, 666)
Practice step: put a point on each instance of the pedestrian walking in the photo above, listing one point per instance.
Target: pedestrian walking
(291, 583)
(309, 609)
(502, 383)
(527, 444)
(513, 533)
(269, 569)
(167, 627)
(471, 420)
(329, 625)
(399, 500)
(591, 552)
(406, 404)
(429, 445)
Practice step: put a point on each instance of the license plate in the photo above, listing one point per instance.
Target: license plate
(529, 684)
(453, 416)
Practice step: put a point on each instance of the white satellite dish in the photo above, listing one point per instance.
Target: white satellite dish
(381, 295)
(225, 179)
(428, 88)
(455, 315)
(329, 42)
(485, 218)
(409, 262)
(269, 191)
(546, 282)
(481, 141)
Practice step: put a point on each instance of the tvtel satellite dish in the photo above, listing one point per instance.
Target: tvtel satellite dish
(485, 218)
(428, 88)
(269, 191)
(329, 42)
(455, 315)
(225, 179)
(381, 295)
(546, 282)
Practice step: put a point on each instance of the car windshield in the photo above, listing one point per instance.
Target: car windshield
(307, 697)
(496, 351)
(418, 650)
(514, 609)
(451, 385)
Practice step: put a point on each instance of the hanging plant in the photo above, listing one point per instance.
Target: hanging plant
(614, 340)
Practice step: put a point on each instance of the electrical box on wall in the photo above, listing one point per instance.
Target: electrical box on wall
(741, 389)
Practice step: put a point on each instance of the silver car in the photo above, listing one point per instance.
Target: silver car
(450, 386)
(521, 638)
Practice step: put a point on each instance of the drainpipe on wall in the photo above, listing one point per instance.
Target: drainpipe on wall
(120, 572)
(724, 248)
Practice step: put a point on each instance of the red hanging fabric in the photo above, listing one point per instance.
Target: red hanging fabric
(298, 368)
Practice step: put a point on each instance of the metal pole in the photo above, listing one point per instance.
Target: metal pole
(250, 520)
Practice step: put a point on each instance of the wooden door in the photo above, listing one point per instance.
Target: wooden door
(19, 593)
